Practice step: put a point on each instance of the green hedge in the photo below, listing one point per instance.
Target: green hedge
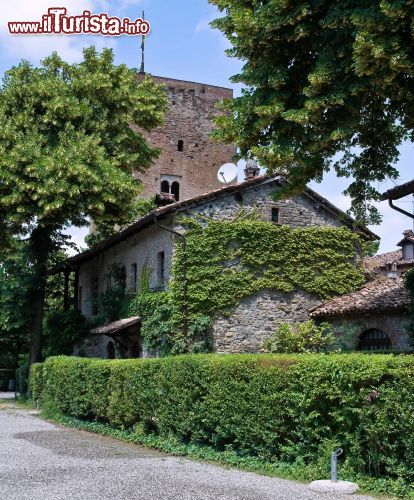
(286, 408)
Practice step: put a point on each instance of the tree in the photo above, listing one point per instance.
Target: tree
(17, 282)
(67, 152)
(104, 230)
(15, 312)
(323, 77)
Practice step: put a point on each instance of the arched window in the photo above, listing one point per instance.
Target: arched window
(374, 340)
(165, 187)
(175, 190)
(180, 146)
(110, 350)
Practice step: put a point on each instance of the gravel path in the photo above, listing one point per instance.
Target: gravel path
(6, 395)
(41, 461)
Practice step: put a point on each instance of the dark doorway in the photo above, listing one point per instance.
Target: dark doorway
(374, 340)
(110, 350)
(175, 190)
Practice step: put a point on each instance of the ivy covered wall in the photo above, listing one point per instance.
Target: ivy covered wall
(229, 262)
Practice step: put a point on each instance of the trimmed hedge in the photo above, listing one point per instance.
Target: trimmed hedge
(286, 408)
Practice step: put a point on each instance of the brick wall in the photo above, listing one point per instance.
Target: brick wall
(192, 107)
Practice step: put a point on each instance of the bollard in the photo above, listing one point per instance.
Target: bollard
(334, 486)
(334, 464)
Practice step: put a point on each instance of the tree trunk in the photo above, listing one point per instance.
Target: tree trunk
(40, 247)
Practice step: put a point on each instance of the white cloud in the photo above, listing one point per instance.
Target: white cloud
(69, 47)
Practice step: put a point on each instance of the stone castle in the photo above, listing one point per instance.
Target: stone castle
(190, 158)
(186, 174)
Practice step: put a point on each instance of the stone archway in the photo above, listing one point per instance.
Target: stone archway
(374, 339)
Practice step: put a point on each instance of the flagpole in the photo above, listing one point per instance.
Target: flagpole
(142, 69)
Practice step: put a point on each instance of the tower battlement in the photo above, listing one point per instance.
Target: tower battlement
(190, 158)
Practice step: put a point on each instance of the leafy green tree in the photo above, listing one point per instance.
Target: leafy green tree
(322, 77)
(62, 329)
(104, 230)
(67, 152)
(15, 312)
(17, 282)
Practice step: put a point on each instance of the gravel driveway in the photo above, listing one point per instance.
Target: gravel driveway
(41, 461)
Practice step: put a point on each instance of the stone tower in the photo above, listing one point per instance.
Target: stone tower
(190, 159)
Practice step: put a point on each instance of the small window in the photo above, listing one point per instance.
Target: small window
(275, 215)
(165, 187)
(161, 268)
(180, 146)
(374, 340)
(175, 190)
(110, 350)
(134, 277)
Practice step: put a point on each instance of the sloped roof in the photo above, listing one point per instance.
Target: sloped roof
(382, 294)
(376, 262)
(172, 208)
(379, 262)
(116, 326)
(399, 191)
(408, 237)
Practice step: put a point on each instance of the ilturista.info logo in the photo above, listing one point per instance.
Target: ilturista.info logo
(57, 22)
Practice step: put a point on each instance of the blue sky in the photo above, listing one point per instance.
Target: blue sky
(183, 46)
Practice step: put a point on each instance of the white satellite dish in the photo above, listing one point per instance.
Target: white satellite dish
(227, 173)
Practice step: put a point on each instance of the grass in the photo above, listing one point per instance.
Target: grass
(300, 472)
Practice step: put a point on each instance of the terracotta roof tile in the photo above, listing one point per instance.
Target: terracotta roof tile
(379, 262)
(382, 294)
(375, 262)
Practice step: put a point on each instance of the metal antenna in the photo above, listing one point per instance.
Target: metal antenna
(413, 211)
(142, 69)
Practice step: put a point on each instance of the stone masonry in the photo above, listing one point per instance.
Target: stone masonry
(254, 320)
(190, 120)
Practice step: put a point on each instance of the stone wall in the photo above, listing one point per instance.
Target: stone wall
(141, 249)
(299, 211)
(254, 320)
(95, 346)
(349, 328)
(191, 110)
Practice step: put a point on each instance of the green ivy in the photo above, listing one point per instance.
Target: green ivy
(231, 260)
(112, 304)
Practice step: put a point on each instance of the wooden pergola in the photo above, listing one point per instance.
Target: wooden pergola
(399, 192)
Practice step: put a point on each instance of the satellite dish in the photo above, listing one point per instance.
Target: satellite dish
(227, 173)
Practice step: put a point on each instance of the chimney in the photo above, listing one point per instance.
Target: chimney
(251, 170)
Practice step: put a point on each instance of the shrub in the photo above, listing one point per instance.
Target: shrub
(287, 408)
(302, 337)
(62, 329)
